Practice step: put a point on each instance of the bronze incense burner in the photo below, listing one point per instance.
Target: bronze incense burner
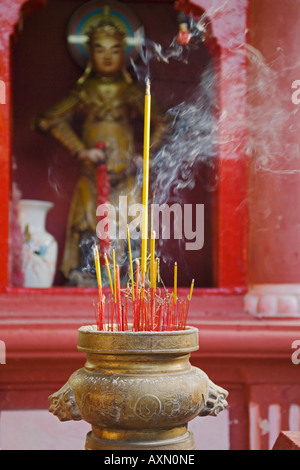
(138, 390)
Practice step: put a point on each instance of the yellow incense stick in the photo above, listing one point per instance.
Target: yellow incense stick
(114, 273)
(191, 290)
(157, 270)
(130, 261)
(152, 259)
(175, 283)
(109, 274)
(155, 274)
(97, 266)
(143, 286)
(146, 155)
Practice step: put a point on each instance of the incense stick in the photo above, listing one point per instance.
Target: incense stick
(99, 281)
(191, 289)
(109, 274)
(114, 274)
(118, 297)
(151, 309)
(130, 261)
(146, 155)
(175, 283)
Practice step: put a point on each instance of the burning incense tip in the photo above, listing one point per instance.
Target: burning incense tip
(148, 86)
(191, 290)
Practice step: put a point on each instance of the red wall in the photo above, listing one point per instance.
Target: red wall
(274, 126)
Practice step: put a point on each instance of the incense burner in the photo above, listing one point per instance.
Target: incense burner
(138, 390)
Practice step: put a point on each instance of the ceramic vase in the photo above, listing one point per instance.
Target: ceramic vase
(40, 247)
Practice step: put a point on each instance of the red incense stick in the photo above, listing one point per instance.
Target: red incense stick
(136, 305)
(119, 303)
(103, 190)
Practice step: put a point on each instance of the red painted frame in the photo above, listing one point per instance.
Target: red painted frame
(231, 243)
(250, 357)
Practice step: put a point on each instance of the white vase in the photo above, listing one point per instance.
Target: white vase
(40, 247)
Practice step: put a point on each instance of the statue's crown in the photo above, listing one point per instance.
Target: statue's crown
(106, 27)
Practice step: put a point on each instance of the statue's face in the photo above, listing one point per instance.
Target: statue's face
(107, 55)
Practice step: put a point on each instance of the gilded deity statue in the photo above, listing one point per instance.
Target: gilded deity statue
(104, 101)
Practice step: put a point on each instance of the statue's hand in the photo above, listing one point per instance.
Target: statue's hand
(138, 160)
(93, 155)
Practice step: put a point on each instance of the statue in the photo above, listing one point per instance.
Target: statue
(103, 104)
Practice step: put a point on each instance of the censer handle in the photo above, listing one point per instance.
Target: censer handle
(216, 400)
(63, 404)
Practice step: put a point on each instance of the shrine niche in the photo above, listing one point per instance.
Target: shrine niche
(221, 266)
(183, 84)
